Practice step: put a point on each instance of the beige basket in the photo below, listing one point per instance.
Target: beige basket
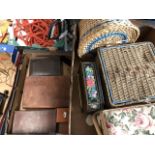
(96, 33)
(128, 72)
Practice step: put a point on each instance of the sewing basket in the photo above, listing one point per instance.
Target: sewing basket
(128, 73)
(133, 120)
(98, 32)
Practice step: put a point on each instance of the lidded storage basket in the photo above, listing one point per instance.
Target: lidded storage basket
(98, 32)
(133, 120)
(128, 72)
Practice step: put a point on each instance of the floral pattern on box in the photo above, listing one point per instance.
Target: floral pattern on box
(91, 84)
(130, 121)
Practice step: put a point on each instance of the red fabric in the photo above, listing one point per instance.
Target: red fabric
(36, 32)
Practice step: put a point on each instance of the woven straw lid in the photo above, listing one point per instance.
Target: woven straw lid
(96, 33)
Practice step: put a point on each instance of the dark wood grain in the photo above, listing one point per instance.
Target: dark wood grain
(34, 122)
(46, 92)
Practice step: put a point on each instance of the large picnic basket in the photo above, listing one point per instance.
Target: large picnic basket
(128, 73)
(133, 120)
(100, 32)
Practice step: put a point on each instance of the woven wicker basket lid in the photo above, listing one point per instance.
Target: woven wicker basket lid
(95, 33)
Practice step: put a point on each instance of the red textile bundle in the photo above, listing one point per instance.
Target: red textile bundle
(33, 31)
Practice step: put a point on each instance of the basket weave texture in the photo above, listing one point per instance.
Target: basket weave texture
(129, 73)
(98, 32)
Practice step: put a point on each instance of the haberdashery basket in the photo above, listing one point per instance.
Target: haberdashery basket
(128, 73)
(98, 32)
(133, 120)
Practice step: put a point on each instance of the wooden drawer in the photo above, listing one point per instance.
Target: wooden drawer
(62, 115)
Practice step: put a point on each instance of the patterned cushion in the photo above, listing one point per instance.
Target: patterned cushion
(133, 120)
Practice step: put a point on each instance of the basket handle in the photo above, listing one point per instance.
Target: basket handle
(95, 122)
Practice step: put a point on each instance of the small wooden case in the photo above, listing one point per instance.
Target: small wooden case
(34, 122)
(45, 66)
(46, 92)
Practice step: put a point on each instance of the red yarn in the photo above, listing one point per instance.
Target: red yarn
(35, 32)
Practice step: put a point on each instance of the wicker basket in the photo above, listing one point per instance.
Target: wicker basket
(97, 33)
(134, 120)
(128, 72)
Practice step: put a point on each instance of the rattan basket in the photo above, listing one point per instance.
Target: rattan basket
(96, 33)
(128, 72)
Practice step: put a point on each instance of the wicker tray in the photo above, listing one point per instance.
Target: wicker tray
(134, 120)
(128, 73)
(96, 33)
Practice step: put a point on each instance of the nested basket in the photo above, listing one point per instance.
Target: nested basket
(98, 32)
(128, 72)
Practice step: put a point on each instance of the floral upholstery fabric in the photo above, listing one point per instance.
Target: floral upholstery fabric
(129, 120)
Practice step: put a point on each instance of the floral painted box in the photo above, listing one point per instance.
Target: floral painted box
(133, 120)
(91, 90)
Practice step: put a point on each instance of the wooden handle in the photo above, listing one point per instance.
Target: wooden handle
(95, 122)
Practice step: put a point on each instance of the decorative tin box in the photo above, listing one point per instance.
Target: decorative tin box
(128, 73)
(91, 91)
